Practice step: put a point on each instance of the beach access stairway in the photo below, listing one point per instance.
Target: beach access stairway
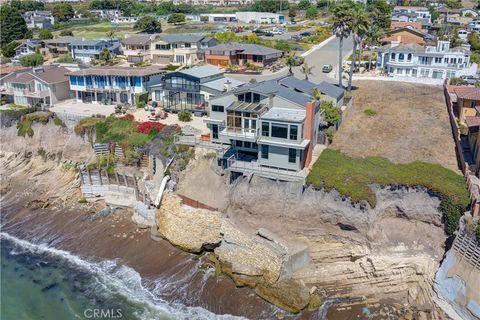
(118, 190)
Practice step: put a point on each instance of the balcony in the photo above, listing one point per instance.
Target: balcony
(181, 87)
(36, 94)
(239, 133)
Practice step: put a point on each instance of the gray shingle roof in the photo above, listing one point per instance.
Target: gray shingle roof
(202, 72)
(172, 38)
(220, 83)
(245, 48)
(331, 90)
(273, 87)
(87, 42)
(307, 87)
(47, 74)
(141, 39)
(118, 71)
(66, 39)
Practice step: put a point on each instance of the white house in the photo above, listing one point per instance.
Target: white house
(436, 62)
(473, 26)
(260, 17)
(412, 13)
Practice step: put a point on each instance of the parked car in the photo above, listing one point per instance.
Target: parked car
(306, 34)
(259, 31)
(268, 34)
(327, 68)
(470, 79)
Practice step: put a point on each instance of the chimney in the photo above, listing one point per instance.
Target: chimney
(465, 46)
(227, 86)
(309, 130)
(394, 43)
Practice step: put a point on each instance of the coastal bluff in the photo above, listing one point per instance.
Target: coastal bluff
(257, 259)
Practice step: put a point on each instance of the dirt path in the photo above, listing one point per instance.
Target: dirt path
(409, 122)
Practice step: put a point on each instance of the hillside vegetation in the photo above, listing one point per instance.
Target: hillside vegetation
(352, 177)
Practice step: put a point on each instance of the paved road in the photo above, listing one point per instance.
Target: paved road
(328, 54)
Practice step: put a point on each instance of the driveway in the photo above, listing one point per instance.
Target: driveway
(328, 54)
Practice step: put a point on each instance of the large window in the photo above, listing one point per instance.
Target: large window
(293, 132)
(217, 108)
(279, 130)
(292, 155)
(265, 129)
(264, 151)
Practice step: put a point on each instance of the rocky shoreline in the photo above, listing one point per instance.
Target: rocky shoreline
(295, 247)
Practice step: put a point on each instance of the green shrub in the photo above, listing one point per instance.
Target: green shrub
(83, 200)
(353, 176)
(331, 113)
(140, 104)
(59, 122)
(42, 153)
(141, 97)
(329, 133)
(31, 60)
(24, 126)
(370, 112)
(184, 116)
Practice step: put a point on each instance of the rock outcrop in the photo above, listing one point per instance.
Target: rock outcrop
(357, 252)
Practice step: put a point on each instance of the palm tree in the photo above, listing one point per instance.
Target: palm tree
(307, 70)
(373, 36)
(111, 34)
(359, 25)
(341, 20)
(290, 62)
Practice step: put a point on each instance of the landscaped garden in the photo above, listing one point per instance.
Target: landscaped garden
(352, 177)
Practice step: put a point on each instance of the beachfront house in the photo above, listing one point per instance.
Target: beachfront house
(241, 54)
(60, 45)
(271, 129)
(39, 19)
(113, 85)
(44, 85)
(191, 89)
(436, 62)
(137, 48)
(179, 49)
(86, 50)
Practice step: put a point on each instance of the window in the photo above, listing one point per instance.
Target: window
(247, 144)
(188, 45)
(239, 143)
(292, 155)
(409, 57)
(264, 151)
(217, 108)
(393, 56)
(445, 60)
(265, 129)
(401, 57)
(293, 132)
(279, 130)
(438, 60)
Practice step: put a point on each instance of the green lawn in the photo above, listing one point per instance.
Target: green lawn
(352, 177)
(99, 30)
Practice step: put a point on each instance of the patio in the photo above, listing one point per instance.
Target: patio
(81, 109)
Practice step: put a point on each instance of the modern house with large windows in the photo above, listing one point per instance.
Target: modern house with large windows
(44, 85)
(112, 85)
(271, 129)
(435, 62)
(191, 89)
(86, 50)
(180, 49)
(137, 48)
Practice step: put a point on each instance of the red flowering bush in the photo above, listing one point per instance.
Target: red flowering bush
(148, 126)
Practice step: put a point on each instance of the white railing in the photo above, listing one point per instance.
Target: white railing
(253, 167)
(195, 141)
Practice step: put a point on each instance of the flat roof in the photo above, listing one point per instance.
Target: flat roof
(118, 71)
(253, 107)
(284, 114)
(202, 72)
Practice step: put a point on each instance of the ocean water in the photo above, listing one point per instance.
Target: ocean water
(38, 282)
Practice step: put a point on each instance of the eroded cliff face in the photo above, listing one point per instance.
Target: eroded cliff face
(390, 251)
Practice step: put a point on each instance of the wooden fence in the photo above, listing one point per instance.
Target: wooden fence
(195, 203)
(467, 248)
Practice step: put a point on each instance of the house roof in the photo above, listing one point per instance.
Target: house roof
(396, 8)
(86, 42)
(46, 74)
(66, 39)
(245, 48)
(273, 87)
(468, 93)
(118, 71)
(405, 24)
(7, 70)
(285, 114)
(472, 121)
(202, 72)
(172, 38)
(219, 84)
(409, 47)
(307, 87)
(141, 39)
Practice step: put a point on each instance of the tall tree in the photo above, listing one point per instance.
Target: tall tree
(341, 21)
(306, 70)
(147, 24)
(373, 37)
(290, 62)
(12, 25)
(63, 11)
(359, 25)
(45, 34)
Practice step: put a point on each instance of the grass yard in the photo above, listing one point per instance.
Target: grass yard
(352, 176)
(403, 122)
(99, 30)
